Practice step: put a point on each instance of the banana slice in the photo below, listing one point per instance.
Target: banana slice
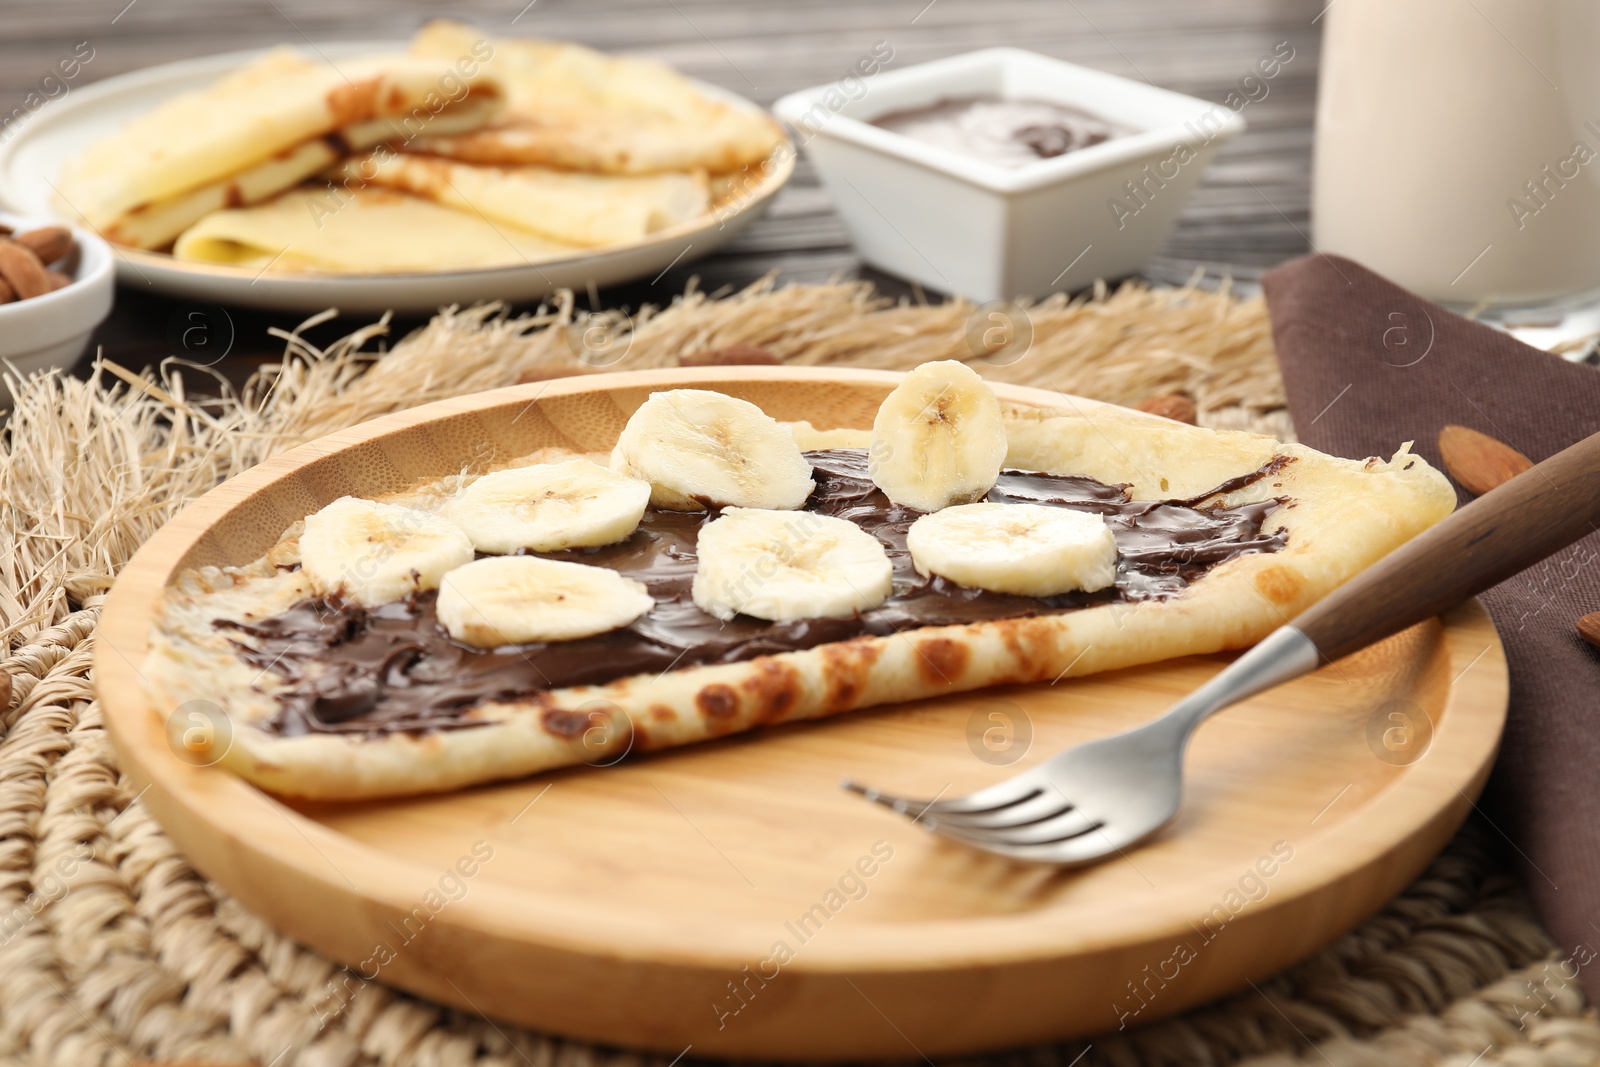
(938, 439)
(511, 600)
(787, 565)
(375, 553)
(700, 449)
(550, 506)
(1025, 549)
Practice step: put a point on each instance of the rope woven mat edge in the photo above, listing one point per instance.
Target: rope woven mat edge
(113, 950)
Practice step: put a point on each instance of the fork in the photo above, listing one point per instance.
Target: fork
(1108, 795)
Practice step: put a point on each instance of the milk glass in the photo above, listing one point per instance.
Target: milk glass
(1458, 149)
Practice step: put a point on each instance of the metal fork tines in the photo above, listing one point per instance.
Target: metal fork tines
(1109, 794)
(1031, 815)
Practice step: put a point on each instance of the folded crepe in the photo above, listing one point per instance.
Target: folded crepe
(367, 231)
(579, 209)
(572, 107)
(263, 129)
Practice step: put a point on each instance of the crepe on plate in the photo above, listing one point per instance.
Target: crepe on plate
(367, 231)
(572, 107)
(579, 209)
(1320, 521)
(263, 129)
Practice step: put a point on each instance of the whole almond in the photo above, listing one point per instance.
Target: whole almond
(5, 691)
(1477, 461)
(22, 270)
(1174, 406)
(7, 294)
(58, 279)
(738, 354)
(69, 263)
(49, 243)
(1589, 628)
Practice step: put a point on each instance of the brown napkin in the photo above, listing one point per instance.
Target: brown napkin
(1368, 366)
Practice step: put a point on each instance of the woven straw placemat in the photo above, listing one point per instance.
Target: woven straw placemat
(113, 950)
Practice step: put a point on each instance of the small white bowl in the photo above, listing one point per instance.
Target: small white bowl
(53, 330)
(963, 225)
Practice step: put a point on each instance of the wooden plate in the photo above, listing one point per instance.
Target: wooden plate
(731, 897)
(31, 162)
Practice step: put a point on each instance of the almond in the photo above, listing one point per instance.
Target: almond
(1477, 461)
(1588, 629)
(58, 280)
(22, 270)
(5, 691)
(49, 243)
(1174, 406)
(7, 294)
(735, 355)
(69, 262)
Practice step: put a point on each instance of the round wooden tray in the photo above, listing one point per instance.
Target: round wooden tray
(730, 896)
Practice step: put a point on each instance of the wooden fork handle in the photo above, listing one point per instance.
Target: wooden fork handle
(1530, 517)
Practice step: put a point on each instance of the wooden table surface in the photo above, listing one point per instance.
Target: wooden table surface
(1249, 213)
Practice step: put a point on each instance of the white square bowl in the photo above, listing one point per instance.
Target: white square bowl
(962, 225)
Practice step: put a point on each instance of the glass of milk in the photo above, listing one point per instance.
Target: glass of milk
(1458, 153)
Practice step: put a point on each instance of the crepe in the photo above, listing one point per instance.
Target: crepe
(368, 231)
(261, 130)
(1339, 516)
(575, 108)
(579, 209)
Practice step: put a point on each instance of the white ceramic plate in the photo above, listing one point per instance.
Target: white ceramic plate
(31, 160)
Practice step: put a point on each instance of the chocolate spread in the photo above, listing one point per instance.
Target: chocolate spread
(350, 669)
(1007, 133)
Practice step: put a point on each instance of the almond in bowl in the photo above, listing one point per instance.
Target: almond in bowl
(29, 258)
(56, 286)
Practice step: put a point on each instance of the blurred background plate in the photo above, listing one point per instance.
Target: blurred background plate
(31, 160)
